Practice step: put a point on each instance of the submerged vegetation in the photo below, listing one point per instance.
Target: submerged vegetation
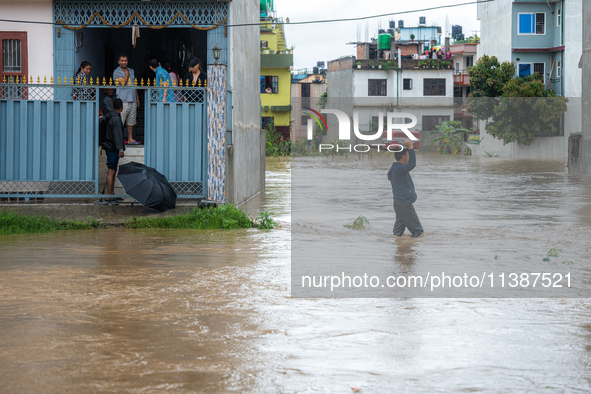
(265, 221)
(555, 253)
(225, 217)
(360, 223)
(14, 223)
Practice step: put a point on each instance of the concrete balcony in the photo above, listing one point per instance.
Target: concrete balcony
(276, 60)
(463, 49)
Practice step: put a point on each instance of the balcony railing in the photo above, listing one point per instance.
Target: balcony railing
(462, 79)
(377, 64)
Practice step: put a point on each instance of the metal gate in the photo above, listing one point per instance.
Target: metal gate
(176, 139)
(49, 140)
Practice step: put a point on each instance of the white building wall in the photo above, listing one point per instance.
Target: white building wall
(495, 29)
(39, 36)
(245, 161)
(396, 95)
(573, 38)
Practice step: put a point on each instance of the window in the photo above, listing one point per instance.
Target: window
(267, 121)
(11, 56)
(305, 89)
(407, 84)
(264, 44)
(469, 61)
(526, 69)
(376, 87)
(558, 18)
(457, 67)
(375, 123)
(433, 87)
(558, 69)
(539, 68)
(532, 23)
(269, 84)
(13, 61)
(429, 122)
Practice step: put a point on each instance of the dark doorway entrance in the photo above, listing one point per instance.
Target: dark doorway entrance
(102, 46)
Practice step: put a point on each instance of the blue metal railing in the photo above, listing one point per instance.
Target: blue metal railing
(49, 140)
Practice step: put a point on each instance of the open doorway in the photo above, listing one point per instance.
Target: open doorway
(101, 46)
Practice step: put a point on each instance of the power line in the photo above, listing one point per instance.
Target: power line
(303, 22)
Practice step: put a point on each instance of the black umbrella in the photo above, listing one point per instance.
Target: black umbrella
(149, 187)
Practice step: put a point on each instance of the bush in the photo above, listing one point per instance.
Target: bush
(275, 144)
(221, 217)
(13, 223)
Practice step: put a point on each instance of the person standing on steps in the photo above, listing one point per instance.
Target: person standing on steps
(125, 76)
(114, 148)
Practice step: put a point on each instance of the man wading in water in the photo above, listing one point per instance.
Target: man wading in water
(403, 190)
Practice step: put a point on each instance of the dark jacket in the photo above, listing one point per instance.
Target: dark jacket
(107, 105)
(114, 135)
(403, 189)
(188, 79)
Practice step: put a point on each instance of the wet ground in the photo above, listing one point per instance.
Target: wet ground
(209, 311)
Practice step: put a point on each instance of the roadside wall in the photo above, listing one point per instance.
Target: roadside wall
(585, 150)
(245, 158)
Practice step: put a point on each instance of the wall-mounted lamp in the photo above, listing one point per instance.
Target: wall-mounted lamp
(216, 53)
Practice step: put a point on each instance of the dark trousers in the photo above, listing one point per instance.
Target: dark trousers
(406, 217)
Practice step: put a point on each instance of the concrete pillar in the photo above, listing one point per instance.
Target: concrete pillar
(216, 132)
(585, 149)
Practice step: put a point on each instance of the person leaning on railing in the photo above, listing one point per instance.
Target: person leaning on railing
(80, 79)
(195, 77)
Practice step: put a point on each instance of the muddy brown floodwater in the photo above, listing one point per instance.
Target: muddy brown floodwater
(211, 311)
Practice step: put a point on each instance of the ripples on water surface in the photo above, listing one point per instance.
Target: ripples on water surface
(210, 311)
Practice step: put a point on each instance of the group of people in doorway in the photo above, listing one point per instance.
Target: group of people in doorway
(119, 106)
(124, 76)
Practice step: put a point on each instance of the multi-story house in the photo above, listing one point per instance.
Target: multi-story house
(306, 91)
(541, 37)
(369, 87)
(276, 63)
(204, 141)
(463, 57)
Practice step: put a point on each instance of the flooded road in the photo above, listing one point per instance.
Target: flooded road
(210, 311)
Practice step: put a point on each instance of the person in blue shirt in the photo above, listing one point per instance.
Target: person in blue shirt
(403, 191)
(162, 79)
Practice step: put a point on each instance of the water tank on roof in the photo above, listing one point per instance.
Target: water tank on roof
(320, 64)
(264, 5)
(381, 31)
(315, 70)
(392, 24)
(384, 41)
(455, 30)
(401, 23)
(422, 20)
(390, 32)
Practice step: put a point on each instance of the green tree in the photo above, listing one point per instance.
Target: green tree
(526, 110)
(449, 136)
(516, 109)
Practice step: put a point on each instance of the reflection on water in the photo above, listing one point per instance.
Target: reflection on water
(210, 311)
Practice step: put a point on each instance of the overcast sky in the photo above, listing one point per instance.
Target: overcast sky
(327, 41)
